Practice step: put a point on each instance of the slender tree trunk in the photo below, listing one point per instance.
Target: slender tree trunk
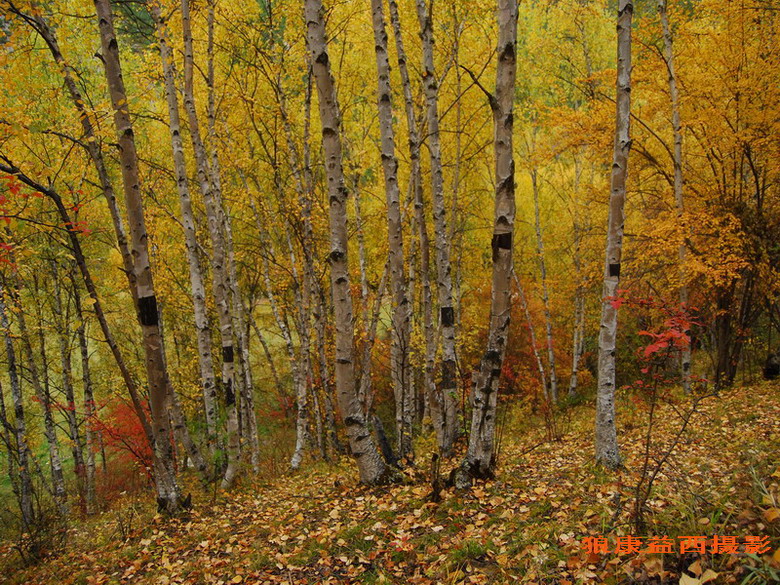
(20, 427)
(245, 385)
(89, 400)
(167, 489)
(88, 120)
(400, 369)
(272, 366)
(93, 147)
(447, 388)
(606, 433)
(71, 414)
(685, 357)
(370, 465)
(302, 436)
(432, 396)
(532, 334)
(545, 293)
(365, 389)
(578, 337)
(198, 291)
(42, 394)
(301, 169)
(221, 287)
(480, 458)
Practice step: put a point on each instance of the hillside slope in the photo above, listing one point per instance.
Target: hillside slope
(527, 526)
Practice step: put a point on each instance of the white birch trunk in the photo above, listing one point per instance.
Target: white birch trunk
(400, 369)
(167, 489)
(63, 340)
(220, 285)
(20, 424)
(448, 389)
(198, 290)
(89, 401)
(370, 465)
(545, 294)
(480, 458)
(532, 335)
(433, 398)
(606, 432)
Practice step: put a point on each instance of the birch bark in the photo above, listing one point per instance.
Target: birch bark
(20, 426)
(400, 369)
(197, 288)
(480, 458)
(167, 489)
(220, 284)
(448, 390)
(370, 465)
(89, 399)
(606, 433)
(553, 392)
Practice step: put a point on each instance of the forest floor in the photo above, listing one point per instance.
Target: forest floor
(527, 526)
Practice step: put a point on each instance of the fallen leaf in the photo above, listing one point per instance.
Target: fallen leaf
(709, 575)
(772, 514)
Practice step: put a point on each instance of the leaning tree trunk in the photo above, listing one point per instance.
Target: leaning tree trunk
(447, 389)
(370, 465)
(198, 291)
(44, 398)
(480, 458)
(400, 369)
(220, 285)
(92, 146)
(553, 394)
(89, 398)
(532, 335)
(89, 284)
(66, 363)
(23, 450)
(167, 489)
(674, 95)
(606, 433)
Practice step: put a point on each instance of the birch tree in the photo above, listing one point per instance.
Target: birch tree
(23, 454)
(220, 283)
(552, 392)
(447, 388)
(197, 288)
(606, 433)
(433, 399)
(400, 369)
(89, 398)
(480, 457)
(167, 490)
(370, 465)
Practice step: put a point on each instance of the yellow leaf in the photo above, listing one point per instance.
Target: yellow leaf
(695, 568)
(709, 575)
(686, 580)
(772, 514)
(237, 579)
